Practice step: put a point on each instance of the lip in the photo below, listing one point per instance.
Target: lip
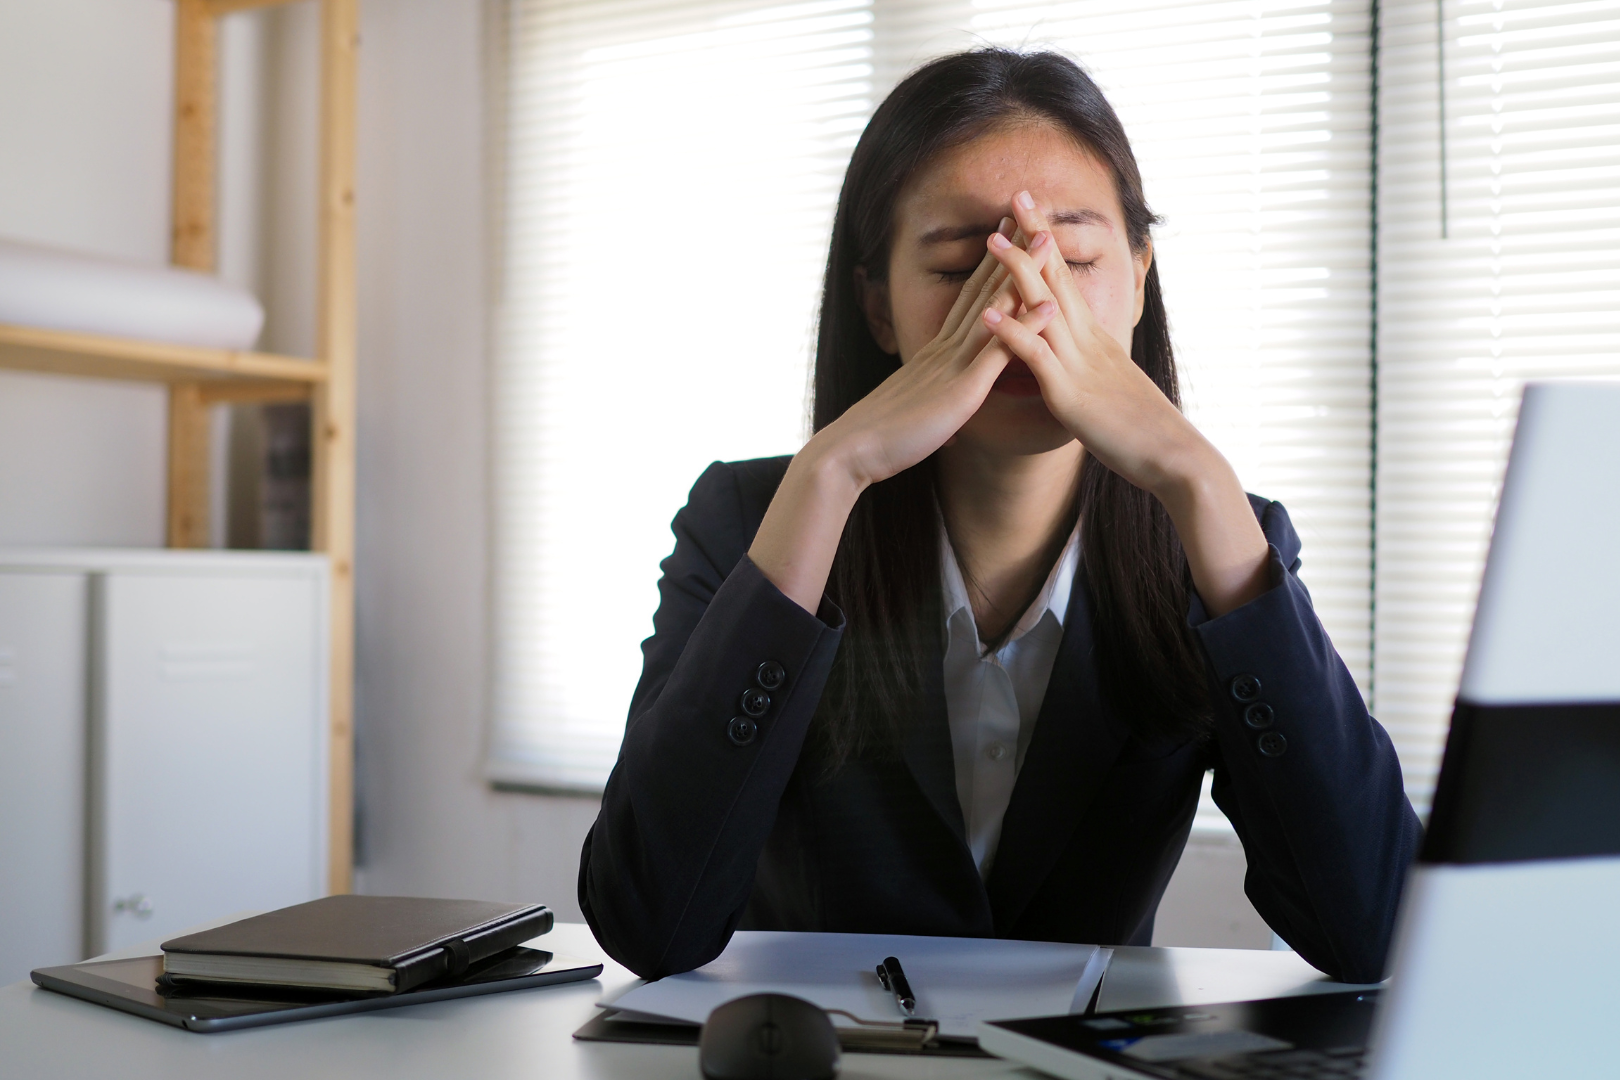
(1016, 380)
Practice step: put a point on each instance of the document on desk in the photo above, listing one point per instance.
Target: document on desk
(957, 981)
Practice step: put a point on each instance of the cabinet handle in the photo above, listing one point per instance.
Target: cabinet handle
(136, 904)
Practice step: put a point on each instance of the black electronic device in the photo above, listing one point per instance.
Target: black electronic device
(136, 985)
(1309, 1037)
(768, 1037)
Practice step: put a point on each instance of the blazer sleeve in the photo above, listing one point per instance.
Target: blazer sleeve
(1309, 780)
(669, 865)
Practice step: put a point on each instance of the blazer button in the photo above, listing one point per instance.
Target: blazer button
(1245, 688)
(1259, 715)
(1272, 744)
(770, 675)
(755, 702)
(741, 730)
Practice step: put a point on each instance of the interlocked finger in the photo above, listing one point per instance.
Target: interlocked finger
(1077, 315)
(1022, 268)
(1027, 271)
(999, 295)
(1023, 336)
(1033, 319)
(979, 289)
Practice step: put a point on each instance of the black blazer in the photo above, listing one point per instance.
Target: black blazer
(699, 836)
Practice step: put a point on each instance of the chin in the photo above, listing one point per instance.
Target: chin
(1013, 425)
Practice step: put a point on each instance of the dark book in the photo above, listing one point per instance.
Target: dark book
(355, 944)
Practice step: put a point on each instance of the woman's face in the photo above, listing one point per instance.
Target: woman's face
(942, 220)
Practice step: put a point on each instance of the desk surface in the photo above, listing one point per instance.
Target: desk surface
(527, 1033)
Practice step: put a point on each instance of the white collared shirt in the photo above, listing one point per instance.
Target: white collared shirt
(993, 700)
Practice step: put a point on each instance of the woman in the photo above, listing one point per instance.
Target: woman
(959, 665)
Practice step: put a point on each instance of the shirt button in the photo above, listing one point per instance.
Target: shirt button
(1272, 744)
(1259, 715)
(1245, 687)
(770, 675)
(741, 730)
(995, 751)
(755, 702)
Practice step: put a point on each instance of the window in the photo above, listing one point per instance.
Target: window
(1499, 261)
(647, 303)
(1252, 125)
(671, 174)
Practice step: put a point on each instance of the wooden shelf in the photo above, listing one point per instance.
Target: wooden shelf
(216, 8)
(200, 377)
(227, 374)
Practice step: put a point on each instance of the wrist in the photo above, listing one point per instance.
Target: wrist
(831, 466)
(798, 539)
(1191, 475)
(1225, 546)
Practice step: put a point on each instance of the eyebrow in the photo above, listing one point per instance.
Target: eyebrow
(949, 233)
(1080, 217)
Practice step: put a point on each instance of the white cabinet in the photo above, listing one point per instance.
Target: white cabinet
(208, 748)
(174, 767)
(43, 682)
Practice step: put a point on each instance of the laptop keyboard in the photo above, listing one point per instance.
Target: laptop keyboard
(1345, 1064)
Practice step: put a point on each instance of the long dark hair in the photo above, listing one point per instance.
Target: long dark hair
(886, 573)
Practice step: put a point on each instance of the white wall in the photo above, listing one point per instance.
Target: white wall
(431, 824)
(85, 88)
(1204, 905)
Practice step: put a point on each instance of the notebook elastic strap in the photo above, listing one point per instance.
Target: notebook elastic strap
(459, 957)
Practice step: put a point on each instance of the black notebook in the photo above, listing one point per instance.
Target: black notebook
(355, 944)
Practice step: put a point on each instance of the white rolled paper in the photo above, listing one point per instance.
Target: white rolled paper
(64, 290)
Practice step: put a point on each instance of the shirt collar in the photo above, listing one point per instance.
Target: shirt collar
(1053, 597)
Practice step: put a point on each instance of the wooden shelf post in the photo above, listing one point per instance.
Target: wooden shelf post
(333, 391)
(333, 488)
(192, 245)
(188, 466)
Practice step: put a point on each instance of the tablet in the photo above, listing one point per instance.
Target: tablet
(133, 986)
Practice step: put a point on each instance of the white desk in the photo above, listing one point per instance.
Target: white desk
(526, 1034)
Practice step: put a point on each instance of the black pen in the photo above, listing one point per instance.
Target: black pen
(889, 973)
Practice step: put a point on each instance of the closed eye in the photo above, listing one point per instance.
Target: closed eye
(954, 276)
(1082, 267)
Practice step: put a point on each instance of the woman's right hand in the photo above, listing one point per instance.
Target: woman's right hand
(910, 415)
(929, 397)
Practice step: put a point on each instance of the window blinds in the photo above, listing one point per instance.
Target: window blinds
(1251, 124)
(671, 173)
(669, 158)
(1510, 271)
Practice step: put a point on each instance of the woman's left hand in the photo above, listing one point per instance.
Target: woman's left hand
(1094, 389)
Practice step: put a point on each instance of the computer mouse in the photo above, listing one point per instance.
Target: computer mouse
(768, 1037)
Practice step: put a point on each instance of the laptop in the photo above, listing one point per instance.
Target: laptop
(1506, 960)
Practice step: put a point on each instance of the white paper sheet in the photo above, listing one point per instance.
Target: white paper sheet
(65, 290)
(958, 981)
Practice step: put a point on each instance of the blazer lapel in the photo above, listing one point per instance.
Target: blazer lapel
(927, 747)
(1076, 741)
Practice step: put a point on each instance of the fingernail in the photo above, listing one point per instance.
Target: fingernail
(1040, 241)
(999, 242)
(1007, 226)
(1046, 307)
(1024, 199)
(992, 316)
